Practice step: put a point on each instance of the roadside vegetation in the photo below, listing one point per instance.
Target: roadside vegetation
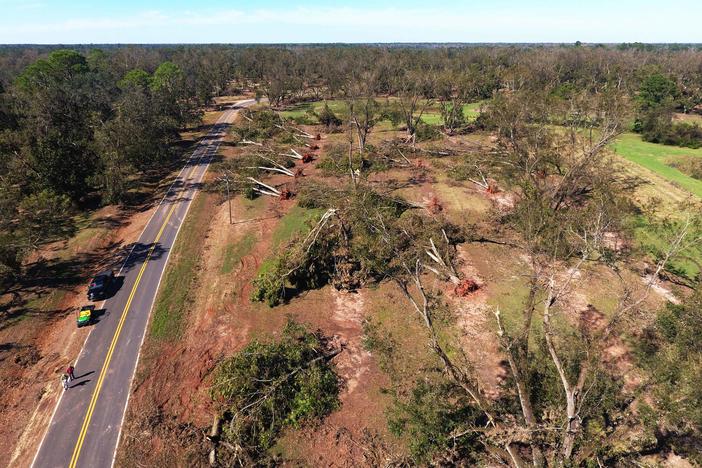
(81, 129)
(268, 386)
(171, 308)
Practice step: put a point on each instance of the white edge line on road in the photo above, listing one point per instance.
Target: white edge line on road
(199, 146)
(158, 285)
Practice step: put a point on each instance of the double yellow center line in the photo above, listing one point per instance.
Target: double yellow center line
(108, 358)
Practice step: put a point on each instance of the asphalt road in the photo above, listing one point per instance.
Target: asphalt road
(86, 425)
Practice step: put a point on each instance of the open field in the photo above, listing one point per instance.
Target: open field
(304, 112)
(221, 318)
(657, 158)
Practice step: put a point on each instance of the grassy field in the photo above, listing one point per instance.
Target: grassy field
(657, 158)
(650, 240)
(432, 116)
(667, 185)
(299, 111)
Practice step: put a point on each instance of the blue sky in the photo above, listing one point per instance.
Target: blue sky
(130, 21)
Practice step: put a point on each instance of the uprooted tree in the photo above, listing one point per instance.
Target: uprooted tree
(361, 237)
(273, 147)
(562, 404)
(569, 407)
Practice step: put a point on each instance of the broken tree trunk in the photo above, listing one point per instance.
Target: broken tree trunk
(274, 169)
(278, 167)
(266, 190)
(294, 155)
(447, 269)
(214, 438)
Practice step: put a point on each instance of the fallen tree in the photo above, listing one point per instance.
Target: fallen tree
(268, 386)
(355, 242)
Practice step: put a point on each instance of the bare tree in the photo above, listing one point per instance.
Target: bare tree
(415, 91)
(364, 110)
(454, 91)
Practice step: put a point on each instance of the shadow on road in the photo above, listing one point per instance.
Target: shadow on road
(79, 384)
(135, 254)
(84, 375)
(97, 315)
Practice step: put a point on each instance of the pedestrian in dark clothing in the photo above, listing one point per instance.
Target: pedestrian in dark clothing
(70, 371)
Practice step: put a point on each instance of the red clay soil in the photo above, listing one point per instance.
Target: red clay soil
(222, 321)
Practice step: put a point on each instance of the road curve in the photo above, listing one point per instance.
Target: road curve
(85, 428)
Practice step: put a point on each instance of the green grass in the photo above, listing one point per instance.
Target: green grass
(233, 253)
(651, 241)
(656, 157)
(297, 221)
(510, 295)
(301, 110)
(432, 116)
(181, 274)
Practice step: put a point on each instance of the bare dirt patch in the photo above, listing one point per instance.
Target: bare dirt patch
(477, 334)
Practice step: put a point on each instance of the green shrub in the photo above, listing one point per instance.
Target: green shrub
(671, 352)
(429, 416)
(328, 118)
(270, 385)
(269, 285)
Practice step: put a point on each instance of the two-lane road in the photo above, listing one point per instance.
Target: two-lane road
(85, 428)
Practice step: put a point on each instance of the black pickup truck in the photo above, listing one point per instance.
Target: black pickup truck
(100, 285)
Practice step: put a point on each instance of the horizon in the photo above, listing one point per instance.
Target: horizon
(366, 44)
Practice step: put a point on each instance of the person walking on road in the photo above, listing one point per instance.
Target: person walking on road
(64, 381)
(70, 371)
